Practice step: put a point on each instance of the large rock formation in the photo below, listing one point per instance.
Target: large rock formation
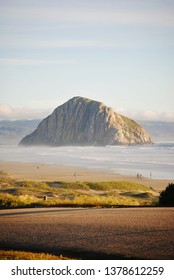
(82, 121)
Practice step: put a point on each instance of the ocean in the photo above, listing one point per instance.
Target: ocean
(154, 161)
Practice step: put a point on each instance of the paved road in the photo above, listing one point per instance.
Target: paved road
(91, 233)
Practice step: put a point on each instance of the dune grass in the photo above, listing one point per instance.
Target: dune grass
(22, 255)
(16, 194)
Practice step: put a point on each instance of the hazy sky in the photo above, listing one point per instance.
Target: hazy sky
(120, 52)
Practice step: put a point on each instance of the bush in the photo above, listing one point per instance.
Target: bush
(167, 196)
(12, 201)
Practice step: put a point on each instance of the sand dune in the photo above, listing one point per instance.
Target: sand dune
(46, 172)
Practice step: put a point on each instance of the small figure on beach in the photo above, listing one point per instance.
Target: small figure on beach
(75, 174)
(139, 176)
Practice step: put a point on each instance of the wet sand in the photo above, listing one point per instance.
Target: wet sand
(48, 172)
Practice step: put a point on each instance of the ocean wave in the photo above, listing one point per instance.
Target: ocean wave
(158, 158)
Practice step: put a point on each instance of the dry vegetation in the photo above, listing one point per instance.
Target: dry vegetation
(21, 255)
(16, 194)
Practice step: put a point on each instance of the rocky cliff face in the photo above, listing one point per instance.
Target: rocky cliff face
(82, 121)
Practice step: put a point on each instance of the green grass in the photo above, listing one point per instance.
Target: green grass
(16, 194)
(121, 186)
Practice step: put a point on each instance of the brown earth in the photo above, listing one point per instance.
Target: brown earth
(143, 233)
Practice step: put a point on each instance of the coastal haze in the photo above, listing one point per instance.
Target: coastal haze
(119, 53)
(84, 133)
(154, 161)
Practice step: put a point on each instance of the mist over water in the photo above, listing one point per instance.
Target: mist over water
(157, 159)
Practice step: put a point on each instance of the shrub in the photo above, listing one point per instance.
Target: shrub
(167, 196)
(11, 201)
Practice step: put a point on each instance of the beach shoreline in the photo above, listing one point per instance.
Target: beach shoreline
(57, 172)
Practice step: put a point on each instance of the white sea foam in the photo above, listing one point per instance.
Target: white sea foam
(157, 159)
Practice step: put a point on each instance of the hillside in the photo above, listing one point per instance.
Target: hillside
(82, 121)
(159, 130)
(11, 132)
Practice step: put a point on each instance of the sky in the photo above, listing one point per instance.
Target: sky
(118, 52)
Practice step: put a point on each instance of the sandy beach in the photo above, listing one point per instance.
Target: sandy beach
(46, 172)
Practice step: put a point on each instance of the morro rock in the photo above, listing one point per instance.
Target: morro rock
(82, 121)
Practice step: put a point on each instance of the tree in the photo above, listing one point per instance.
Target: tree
(167, 196)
